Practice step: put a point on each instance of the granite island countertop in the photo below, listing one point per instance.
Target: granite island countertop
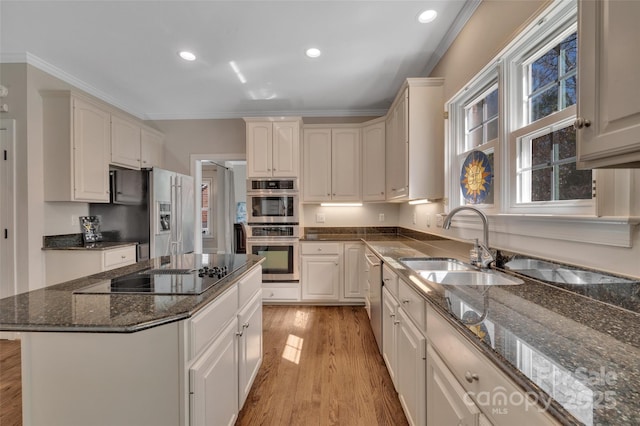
(58, 308)
(551, 342)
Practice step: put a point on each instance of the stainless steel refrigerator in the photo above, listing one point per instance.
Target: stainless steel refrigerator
(154, 208)
(172, 206)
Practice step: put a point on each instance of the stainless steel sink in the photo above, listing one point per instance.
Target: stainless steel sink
(435, 264)
(558, 274)
(470, 277)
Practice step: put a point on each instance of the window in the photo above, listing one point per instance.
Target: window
(519, 112)
(206, 213)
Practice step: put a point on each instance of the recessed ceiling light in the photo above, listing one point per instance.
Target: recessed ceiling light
(313, 52)
(427, 16)
(187, 56)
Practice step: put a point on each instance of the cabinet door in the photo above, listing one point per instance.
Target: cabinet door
(213, 382)
(447, 403)
(397, 150)
(353, 277)
(373, 159)
(91, 152)
(316, 184)
(125, 143)
(249, 346)
(608, 83)
(151, 149)
(411, 370)
(389, 334)
(286, 153)
(321, 277)
(259, 149)
(346, 179)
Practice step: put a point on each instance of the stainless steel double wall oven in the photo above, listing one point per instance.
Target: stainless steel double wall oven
(273, 218)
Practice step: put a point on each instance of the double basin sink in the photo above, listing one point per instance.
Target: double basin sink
(447, 271)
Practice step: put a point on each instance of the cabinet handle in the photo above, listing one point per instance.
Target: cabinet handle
(123, 257)
(396, 322)
(581, 122)
(470, 377)
(240, 333)
(392, 315)
(406, 301)
(245, 325)
(386, 279)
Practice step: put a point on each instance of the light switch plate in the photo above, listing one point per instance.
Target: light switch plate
(381, 217)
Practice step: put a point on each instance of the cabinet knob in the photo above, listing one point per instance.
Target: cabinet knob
(396, 322)
(406, 301)
(471, 377)
(581, 123)
(123, 257)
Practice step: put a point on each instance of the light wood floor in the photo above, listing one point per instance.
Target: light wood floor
(321, 366)
(10, 383)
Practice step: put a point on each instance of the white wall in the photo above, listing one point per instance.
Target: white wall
(367, 215)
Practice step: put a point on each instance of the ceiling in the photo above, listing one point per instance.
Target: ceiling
(126, 52)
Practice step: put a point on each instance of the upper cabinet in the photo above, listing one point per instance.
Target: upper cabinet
(415, 141)
(273, 147)
(77, 139)
(608, 123)
(373, 162)
(125, 142)
(151, 148)
(331, 164)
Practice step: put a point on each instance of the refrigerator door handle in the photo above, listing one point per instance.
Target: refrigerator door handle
(172, 235)
(179, 219)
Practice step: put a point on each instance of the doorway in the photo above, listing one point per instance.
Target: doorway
(222, 182)
(8, 282)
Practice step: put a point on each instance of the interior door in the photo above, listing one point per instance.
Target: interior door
(7, 206)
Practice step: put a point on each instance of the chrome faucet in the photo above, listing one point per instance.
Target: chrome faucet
(480, 255)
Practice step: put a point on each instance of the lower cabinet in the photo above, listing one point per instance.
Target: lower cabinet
(332, 272)
(66, 265)
(249, 346)
(213, 382)
(411, 369)
(447, 402)
(390, 334)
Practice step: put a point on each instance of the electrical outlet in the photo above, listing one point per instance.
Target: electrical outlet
(415, 218)
(439, 220)
(428, 221)
(320, 218)
(381, 217)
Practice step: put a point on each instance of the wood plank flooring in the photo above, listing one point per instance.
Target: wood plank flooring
(10, 383)
(321, 367)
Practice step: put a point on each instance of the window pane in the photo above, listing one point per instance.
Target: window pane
(569, 92)
(541, 150)
(544, 103)
(492, 130)
(569, 53)
(566, 141)
(474, 138)
(574, 184)
(541, 181)
(544, 71)
(474, 116)
(492, 104)
(489, 198)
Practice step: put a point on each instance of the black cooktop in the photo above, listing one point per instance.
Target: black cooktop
(173, 278)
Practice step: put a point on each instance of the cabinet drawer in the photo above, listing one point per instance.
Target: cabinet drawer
(115, 258)
(479, 377)
(320, 248)
(413, 304)
(282, 292)
(390, 280)
(206, 324)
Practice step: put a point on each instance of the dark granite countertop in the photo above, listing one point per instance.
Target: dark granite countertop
(102, 245)
(58, 309)
(582, 352)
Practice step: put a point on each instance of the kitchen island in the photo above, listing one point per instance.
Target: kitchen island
(166, 356)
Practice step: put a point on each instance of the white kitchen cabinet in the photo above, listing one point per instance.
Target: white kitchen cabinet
(353, 287)
(125, 142)
(77, 148)
(415, 141)
(373, 162)
(66, 265)
(273, 148)
(331, 164)
(321, 264)
(447, 403)
(249, 345)
(390, 334)
(411, 370)
(151, 149)
(478, 376)
(213, 382)
(608, 81)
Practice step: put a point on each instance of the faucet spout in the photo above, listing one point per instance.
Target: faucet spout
(484, 256)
